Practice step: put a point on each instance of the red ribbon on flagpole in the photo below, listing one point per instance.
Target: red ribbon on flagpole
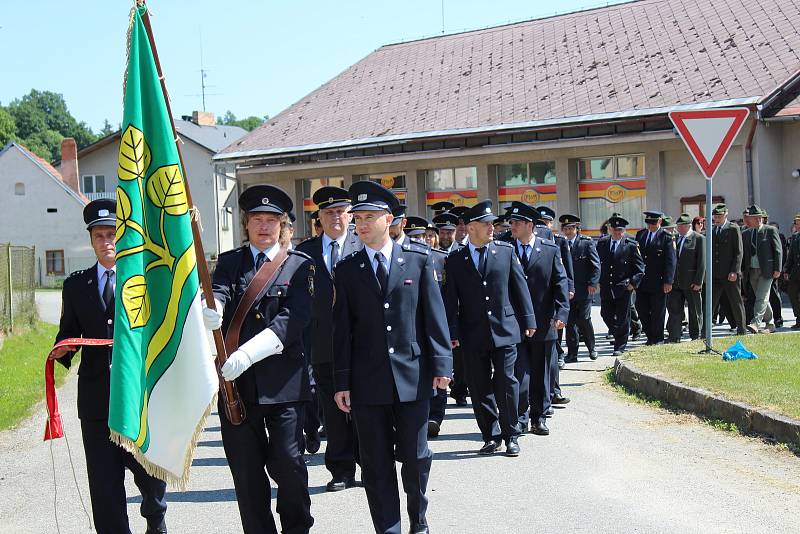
(54, 429)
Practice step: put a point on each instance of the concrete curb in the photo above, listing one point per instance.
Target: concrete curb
(704, 403)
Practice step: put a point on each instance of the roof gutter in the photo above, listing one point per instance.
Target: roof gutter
(784, 93)
(376, 141)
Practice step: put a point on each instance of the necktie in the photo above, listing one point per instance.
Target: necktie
(260, 259)
(108, 290)
(524, 258)
(717, 230)
(753, 248)
(482, 261)
(613, 247)
(680, 245)
(380, 272)
(334, 254)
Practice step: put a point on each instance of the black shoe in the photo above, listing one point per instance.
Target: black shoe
(549, 413)
(593, 355)
(489, 447)
(512, 447)
(571, 359)
(559, 399)
(779, 323)
(419, 529)
(796, 326)
(313, 443)
(461, 401)
(322, 433)
(340, 483)
(161, 528)
(433, 428)
(540, 429)
(636, 336)
(617, 353)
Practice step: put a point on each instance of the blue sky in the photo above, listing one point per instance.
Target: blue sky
(261, 56)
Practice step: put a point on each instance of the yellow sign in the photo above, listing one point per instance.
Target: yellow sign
(387, 181)
(457, 200)
(531, 196)
(615, 193)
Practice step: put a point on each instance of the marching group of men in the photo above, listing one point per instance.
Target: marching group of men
(372, 325)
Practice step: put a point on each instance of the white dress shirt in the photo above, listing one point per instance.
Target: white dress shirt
(270, 252)
(101, 277)
(326, 248)
(387, 254)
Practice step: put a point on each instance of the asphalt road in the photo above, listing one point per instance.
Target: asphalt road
(609, 465)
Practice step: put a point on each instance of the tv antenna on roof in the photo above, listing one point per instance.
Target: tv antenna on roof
(203, 76)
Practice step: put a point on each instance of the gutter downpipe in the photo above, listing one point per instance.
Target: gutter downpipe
(748, 160)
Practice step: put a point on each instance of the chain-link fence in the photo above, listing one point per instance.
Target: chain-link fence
(17, 286)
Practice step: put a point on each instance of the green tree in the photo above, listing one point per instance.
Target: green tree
(8, 128)
(107, 129)
(249, 123)
(43, 120)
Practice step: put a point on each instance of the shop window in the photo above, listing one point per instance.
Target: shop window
(310, 185)
(611, 184)
(457, 185)
(533, 183)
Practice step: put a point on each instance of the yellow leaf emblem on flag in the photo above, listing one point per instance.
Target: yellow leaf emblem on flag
(134, 155)
(136, 301)
(166, 189)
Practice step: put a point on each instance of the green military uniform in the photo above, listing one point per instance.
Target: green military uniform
(726, 258)
(762, 256)
(791, 271)
(690, 270)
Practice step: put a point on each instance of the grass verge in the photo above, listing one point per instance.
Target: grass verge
(772, 381)
(22, 359)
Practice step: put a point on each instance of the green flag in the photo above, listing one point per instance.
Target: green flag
(163, 379)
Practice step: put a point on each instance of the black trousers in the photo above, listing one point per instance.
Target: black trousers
(793, 289)
(675, 302)
(617, 312)
(341, 450)
(494, 390)
(105, 465)
(269, 442)
(458, 387)
(401, 428)
(732, 292)
(775, 303)
(555, 374)
(636, 325)
(533, 368)
(652, 309)
(438, 406)
(579, 324)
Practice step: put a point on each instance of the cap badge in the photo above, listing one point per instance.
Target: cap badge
(330, 199)
(516, 210)
(102, 213)
(488, 210)
(265, 201)
(362, 197)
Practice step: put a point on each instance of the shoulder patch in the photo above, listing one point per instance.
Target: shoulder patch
(503, 244)
(232, 251)
(417, 249)
(76, 273)
(299, 253)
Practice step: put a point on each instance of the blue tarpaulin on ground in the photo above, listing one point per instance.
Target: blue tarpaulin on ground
(737, 351)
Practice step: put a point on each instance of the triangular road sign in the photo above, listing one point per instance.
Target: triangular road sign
(709, 134)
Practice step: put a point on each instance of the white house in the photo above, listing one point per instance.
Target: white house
(211, 183)
(43, 208)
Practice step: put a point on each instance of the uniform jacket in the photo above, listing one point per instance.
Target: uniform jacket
(768, 249)
(659, 260)
(585, 265)
(726, 251)
(399, 341)
(82, 315)
(546, 233)
(691, 266)
(792, 266)
(547, 284)
(285, 308)
(320, 330)
(487, 313)
(625, 267)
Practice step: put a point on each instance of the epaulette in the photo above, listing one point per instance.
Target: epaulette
(232, 251)
(347, 258)
(630, 239)
(584, 237)
(299, 253)
(548, 242)
(439, 251)
(76, 273)
(307, 240)
(417, 249)
(503, 243)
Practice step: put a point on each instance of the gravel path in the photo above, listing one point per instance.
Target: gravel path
(609, 465)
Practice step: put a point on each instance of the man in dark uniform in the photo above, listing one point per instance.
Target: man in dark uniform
(726, 264)
(441, 207)
(488, 304)
(390, 332)
(690, 273)
(657, 247)
(334, 244)
(621, 270)
(87, 310)
(791, 271)
(461, 236)
(399, 221)
(269, 366)
(762, 262)
(547, 285)
(414, 230)
(586, 271)
(446, 223)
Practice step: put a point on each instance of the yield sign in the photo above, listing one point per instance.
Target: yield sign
(709, 134)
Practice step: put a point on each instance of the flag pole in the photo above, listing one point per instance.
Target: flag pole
(234, 408)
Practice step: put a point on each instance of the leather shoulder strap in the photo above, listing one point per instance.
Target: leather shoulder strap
(262, 279)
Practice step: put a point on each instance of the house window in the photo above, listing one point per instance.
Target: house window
(611, 184)
(533, 183)
(457, 185)
(55, 262)
(393, 181)
(225, 218)
(19, 189)
(696, 205)
(94, 183)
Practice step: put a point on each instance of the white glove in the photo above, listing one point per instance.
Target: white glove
(212, 319)
(262, 345)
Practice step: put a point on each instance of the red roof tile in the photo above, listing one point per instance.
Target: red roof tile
(627, 57)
